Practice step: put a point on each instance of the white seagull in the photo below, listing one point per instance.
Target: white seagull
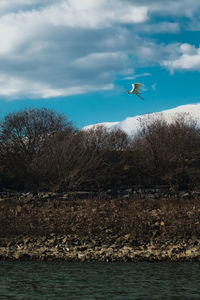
(135, 89)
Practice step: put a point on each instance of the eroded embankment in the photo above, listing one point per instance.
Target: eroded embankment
(53, 227)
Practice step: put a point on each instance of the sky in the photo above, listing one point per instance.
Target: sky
(78, 57)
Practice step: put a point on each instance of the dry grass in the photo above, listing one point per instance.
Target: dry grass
(141, 219)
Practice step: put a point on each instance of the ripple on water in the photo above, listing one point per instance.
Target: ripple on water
(62, 280)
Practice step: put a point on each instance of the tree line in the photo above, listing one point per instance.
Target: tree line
(42, 150)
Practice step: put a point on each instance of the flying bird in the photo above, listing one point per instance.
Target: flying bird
(135, 89)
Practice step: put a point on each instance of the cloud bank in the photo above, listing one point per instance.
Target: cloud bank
(53, 48)
(189, 59)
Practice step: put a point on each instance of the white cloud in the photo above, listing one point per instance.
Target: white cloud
(79, 14)
(15, 87)
(162, 27)
(136, 76)
(182, 8)
(59, 47)
(189, 59)
(63, 47)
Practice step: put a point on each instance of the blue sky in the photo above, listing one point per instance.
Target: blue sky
(78, 56)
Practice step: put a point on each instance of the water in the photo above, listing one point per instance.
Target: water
(53, 280)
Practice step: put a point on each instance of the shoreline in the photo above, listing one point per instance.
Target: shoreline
(71, 249)
(136, 228)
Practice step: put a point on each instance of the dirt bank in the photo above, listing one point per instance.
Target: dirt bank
(52, 226)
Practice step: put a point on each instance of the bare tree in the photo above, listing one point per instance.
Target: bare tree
(22, 137)
(164, 147)
(100, 138)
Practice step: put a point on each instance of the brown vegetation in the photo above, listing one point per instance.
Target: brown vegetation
(41, 150)
(101, 218)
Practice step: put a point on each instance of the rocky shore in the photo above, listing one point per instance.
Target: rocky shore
(68, 248)
(54, 227)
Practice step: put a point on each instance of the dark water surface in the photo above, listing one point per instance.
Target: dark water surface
(61, 280)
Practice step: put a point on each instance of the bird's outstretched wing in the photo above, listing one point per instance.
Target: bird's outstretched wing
(133, 87)
(136, 87)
